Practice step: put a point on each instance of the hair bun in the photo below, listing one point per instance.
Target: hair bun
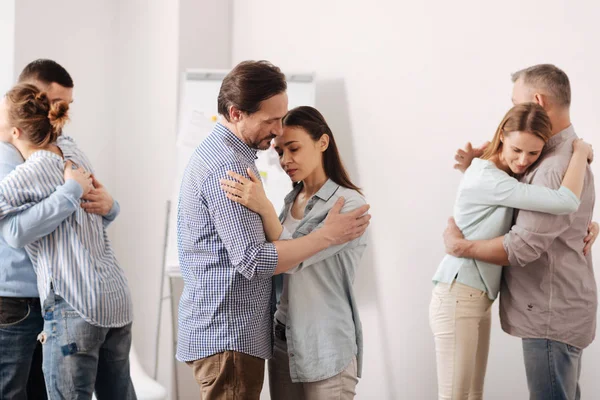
(58, 115)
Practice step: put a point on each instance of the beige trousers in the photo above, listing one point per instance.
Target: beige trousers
(460, 319)
(339, 387)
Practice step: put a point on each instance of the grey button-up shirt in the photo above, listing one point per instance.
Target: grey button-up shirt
(549, 291)
(323, 329)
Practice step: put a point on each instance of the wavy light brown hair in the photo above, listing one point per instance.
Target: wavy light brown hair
(38, 119)
(526, 117)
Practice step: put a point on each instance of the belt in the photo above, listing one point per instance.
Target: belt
(32, 301)
(280, 330)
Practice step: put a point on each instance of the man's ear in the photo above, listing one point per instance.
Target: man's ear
(235, 114)
(541, 100)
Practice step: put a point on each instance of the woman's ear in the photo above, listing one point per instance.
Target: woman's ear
(15, 133)
(324, 142)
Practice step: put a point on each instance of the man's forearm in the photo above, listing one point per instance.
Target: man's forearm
(491, 251)
(293, 252)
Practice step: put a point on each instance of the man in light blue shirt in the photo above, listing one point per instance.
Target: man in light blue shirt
(20, 312)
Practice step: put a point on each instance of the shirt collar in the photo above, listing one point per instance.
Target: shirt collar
(560, 137)
(235, 142)
(325, 193)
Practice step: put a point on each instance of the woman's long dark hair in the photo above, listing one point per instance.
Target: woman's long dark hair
(313, 122)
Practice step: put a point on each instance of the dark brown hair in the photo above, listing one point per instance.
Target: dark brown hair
(249, 84)
(312, 121)
(549, 79)
(30, 110)
(46, 71)
(526, 117)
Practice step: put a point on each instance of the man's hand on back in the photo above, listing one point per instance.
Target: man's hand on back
(589, 240)
(342, 228)
(99, 201)
(465, 156)
(453, 239)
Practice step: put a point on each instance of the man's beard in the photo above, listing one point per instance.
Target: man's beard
(264, 144)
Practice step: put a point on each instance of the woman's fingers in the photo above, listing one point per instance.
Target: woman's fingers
(238, 177)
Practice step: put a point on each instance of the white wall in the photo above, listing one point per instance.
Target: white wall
(81, 37)
(403, 84)
(145, 111)
(7, 44)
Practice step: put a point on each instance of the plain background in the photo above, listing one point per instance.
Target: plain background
(402, 84)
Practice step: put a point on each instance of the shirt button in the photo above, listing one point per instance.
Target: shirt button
(287, 327)
(291, 354)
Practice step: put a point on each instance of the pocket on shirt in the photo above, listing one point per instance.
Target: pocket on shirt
(13, 311)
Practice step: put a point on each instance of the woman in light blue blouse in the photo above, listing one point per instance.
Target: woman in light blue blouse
(318, 335)
(459, 313)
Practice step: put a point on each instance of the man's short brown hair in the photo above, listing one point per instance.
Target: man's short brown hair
(249, 84)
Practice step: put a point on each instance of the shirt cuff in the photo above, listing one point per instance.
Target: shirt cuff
(72, 191)
(509, 244)
(114, 211)
(268, 260)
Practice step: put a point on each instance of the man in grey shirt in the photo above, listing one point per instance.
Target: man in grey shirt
(548, 295)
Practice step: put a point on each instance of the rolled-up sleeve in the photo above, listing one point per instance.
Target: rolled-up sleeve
(240, 230)
(534, 232)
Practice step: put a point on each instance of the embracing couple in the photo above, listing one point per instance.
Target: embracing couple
(525, 202)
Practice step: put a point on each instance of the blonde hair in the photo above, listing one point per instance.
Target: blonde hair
(526, 117)
(39, 119)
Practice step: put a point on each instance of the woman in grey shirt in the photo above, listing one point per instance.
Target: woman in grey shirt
(318, 334)
(459, 312)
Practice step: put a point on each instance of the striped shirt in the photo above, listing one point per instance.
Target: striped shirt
(76, 261)
(225, 260)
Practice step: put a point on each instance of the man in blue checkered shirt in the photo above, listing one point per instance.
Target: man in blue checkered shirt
(225, 318)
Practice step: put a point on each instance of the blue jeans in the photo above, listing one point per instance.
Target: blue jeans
(20, 354)
(80, 358)
(553, 369)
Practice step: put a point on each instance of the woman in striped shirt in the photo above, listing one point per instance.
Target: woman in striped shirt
(84, 293)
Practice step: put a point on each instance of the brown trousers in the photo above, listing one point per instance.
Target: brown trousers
(229, 375)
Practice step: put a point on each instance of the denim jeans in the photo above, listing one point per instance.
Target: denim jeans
(80, 358)
(20, 354)
(553, 369)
